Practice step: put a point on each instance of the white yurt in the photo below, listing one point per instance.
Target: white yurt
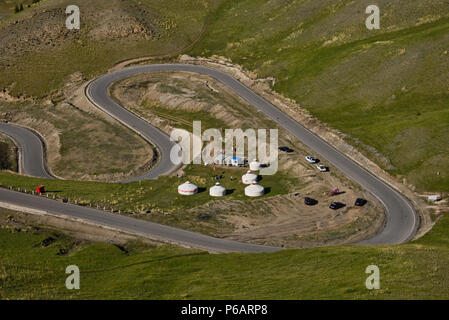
(187, 189)
(254, 190)
(217, 191)
(254, 165)
(249, 178)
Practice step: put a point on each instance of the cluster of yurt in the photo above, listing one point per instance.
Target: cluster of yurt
(252, 190)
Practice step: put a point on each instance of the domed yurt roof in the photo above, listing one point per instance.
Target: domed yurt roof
(187, 188)
(217, 191)
(254, 190)
(254, 165)
(249, 178)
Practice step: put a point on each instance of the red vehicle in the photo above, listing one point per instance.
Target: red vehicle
(40, 189)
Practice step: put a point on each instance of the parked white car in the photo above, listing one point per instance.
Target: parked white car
(311, 159)
(322, 168)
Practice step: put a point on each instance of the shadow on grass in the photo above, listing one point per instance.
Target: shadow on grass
(201, 189)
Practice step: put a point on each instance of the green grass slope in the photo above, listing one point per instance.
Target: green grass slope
(31, 268)
(386, 88)
(158, 200)
(38, 53)
(8, 154)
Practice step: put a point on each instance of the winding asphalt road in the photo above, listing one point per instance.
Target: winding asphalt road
(123, 223)
(31, 150)
(401, 222)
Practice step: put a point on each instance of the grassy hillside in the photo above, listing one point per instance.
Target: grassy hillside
(39, 53)
(42, 64)
(418, 270)
(7, 7)
(8, 154)
(159, 201)
(386, 88)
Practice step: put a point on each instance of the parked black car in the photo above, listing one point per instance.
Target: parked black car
(336, 205)
(286, 149)
(360, 202)
(310, 202)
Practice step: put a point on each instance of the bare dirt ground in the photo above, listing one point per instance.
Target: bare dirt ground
(282, 220)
